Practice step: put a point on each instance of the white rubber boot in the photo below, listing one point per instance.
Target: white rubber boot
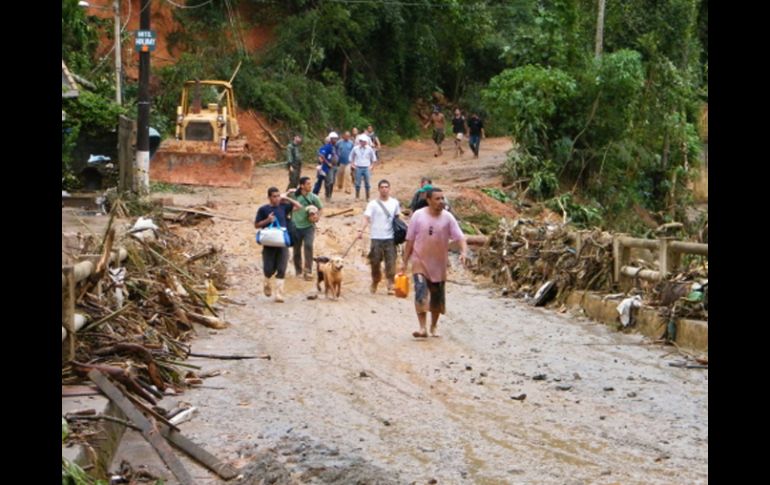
(267, 286)
(279, 290)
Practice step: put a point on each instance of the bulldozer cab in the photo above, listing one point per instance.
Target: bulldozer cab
(208, 148)
(207, 112)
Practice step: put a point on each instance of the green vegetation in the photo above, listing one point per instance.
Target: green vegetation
(486, 223)
(620, 127)
(614, 130)
(496, 193)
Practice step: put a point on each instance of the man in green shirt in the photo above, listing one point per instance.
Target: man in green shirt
(304, 220)
(294, 161)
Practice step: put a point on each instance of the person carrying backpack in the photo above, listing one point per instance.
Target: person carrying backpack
(380, 213)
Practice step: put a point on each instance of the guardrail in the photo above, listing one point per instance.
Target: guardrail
(669, 256)
(70, 276)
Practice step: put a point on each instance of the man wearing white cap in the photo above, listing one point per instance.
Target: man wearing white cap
(362, 158)
(327, 166)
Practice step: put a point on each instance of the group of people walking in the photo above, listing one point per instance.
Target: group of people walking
(354, 154)
(472, 128)
(431, 226)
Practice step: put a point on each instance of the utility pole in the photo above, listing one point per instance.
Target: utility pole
(118, 64)
(142, 166)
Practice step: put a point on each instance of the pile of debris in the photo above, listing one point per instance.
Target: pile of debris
(523, 258)
(139, 317)
(542, 264)
(684, 294)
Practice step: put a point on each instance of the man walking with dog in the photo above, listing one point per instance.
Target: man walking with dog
(380, 213)
(427, 246)
(275, 259)
(304, 222)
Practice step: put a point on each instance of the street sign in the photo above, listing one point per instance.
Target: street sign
(145, 41)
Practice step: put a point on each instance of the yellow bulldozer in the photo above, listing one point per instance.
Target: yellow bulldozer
(209, 148)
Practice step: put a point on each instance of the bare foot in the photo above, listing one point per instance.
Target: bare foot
(419, 334)
(435, 334)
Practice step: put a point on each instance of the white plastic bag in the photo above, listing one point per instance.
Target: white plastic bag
(625, 307)
(274, 236)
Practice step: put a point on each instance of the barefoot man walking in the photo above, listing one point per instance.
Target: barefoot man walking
(427, 245)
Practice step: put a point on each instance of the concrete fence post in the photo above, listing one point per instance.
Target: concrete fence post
(68, 308)
(620, 255)
(664, 257)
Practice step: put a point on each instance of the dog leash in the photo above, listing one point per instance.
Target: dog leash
(349, 248)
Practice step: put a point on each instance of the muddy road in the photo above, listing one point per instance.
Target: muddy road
(350, 397)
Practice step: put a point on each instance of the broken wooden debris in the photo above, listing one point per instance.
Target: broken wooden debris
(170, 433)
(522, 255)
(195, 451)
(685, 365)
(229, 357)
(204, 213)
(148, 429)
(121, 375)
(100, 417)
(339, 213)
(210, 322)
(158, 305)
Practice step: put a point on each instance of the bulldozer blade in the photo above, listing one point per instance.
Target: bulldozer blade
(202, 163)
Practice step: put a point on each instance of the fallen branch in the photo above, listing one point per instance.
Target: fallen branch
(230, 357)
(100, 417)
(149, 429)
(209, 252)
(202, 213)
(143, 354)
(338, 213)
(688, 366)
(268, 131)
(109, 317)
(120, 375)
(210, 322)
(106, 252)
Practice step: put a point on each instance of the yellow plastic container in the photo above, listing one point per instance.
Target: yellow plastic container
(402, 285)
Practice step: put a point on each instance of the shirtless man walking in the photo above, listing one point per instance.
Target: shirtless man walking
(437, 118)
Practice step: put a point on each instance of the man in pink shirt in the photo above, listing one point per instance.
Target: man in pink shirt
(427, 245)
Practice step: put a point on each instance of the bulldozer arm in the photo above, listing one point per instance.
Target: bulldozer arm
(202, 163)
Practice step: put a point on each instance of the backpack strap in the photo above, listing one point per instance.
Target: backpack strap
(382, 206)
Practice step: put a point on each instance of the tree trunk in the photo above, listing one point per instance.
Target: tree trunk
(599, 29)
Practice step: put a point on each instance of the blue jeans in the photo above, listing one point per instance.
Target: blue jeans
(329, 182)
(319, 181)
(474, 142)
(362, 172)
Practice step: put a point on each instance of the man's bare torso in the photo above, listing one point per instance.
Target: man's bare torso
(438, 121)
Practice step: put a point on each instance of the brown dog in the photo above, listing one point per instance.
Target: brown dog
(330, 272)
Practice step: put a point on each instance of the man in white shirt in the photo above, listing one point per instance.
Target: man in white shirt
(380, 213)
(362, 158)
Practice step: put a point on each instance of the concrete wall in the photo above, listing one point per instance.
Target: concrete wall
(690, 334)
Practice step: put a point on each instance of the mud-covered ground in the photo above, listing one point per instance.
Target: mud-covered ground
(350, 397)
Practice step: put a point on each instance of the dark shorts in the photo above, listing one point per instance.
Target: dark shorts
(429, 296)
(438, 136)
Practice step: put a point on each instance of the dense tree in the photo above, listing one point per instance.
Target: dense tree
(618, 125)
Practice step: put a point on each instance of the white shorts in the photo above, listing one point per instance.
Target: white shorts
(459, 136)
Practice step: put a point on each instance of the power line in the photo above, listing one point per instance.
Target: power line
(399, 3)
(190, 6)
